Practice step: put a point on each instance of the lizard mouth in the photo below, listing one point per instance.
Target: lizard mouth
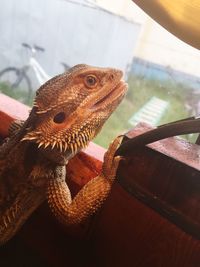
(112, 96)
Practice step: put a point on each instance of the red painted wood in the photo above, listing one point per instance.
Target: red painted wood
(174, 147)
(135, 235)
(5, 121)
(13, 108)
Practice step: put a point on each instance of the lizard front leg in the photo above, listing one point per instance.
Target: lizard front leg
(90, 197)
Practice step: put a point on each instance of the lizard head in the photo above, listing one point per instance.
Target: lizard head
(70, 109)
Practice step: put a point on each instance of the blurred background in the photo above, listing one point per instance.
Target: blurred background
(162, 71)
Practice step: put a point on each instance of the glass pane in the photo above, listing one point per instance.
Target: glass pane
(40, 39)
(163, 79)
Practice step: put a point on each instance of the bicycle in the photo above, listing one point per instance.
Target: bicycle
(17, 78)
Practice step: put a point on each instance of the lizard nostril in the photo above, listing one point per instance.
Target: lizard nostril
(59, 118)
(112, 76)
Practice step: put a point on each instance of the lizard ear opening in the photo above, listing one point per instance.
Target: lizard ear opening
(59, 118)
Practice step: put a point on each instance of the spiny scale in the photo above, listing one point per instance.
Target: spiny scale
(60, 145)
(73, 141)
(53, 145)
(46, 144)
(40, 144)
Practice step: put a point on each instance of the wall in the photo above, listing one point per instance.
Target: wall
(159, 46)
(71, 33)
(156, 44)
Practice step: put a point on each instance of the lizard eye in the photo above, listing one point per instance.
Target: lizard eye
(59, 118)
(91, 81)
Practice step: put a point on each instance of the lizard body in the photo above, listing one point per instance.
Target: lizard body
(68, 111)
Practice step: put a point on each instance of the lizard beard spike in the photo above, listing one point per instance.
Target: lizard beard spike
(31, 136)
(74, 141)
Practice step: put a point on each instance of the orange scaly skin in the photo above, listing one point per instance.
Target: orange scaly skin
(69, 110)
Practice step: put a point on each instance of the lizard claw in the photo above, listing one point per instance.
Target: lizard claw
(111, 161)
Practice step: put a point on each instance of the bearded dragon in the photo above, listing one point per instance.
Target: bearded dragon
(69, 110)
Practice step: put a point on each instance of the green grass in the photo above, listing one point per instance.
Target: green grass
(16, 93)
(140, 91)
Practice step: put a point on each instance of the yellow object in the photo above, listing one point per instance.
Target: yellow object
(180, 17)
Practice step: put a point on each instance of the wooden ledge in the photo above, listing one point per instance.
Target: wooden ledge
(175, 147)
(165, 175)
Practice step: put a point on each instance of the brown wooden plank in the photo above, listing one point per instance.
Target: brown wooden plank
(176, 148)
(165, 175)
(129, 233)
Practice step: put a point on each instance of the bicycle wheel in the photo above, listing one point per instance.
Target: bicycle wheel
(15, 83)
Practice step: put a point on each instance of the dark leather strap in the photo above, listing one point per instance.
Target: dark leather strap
(185, 126)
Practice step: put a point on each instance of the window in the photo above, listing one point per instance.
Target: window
(39, 42)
